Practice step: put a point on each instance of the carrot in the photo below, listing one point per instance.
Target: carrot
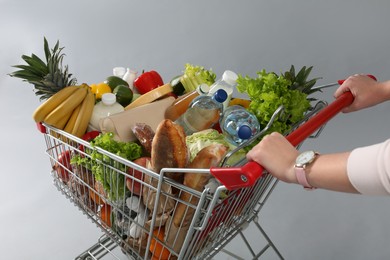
(156, 248)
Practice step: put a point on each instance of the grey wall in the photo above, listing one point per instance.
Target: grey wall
(338, 38)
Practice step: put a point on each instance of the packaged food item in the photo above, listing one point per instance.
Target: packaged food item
(106, 107)
(121, 124)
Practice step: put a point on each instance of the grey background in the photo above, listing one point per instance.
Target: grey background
(338, 38)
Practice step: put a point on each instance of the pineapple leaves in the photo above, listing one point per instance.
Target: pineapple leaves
(299, 81)
(47, 77)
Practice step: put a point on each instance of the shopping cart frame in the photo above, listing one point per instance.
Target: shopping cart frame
(213, 224)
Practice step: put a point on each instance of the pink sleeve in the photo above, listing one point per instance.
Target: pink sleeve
(369, 169)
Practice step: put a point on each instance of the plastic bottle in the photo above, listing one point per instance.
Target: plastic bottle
(107, 106)
(238, 124)
(227, 83)
(129, 77)
(119, 71)
(203, 113)
(181, 104)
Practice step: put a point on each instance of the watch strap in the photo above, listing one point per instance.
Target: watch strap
(300, 173)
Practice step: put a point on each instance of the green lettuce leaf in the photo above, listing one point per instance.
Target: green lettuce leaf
(114, 183)
(267, 92)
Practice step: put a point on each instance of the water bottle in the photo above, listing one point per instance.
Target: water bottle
(129, 77)
(181, 104)
(203, 113)
(107, 106)
(227, 83)
(238, 124)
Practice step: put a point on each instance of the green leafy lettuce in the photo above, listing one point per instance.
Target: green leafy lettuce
(267, 92)
(193, 76)
(100, 165)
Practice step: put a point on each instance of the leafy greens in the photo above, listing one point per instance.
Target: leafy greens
(114, 183)
(193, 76)
(267, 92)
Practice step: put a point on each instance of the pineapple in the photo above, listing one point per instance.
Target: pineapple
(300, 80)
(48, 78)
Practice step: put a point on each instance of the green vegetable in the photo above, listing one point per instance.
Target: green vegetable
(193, 76)
(113, 182)
(198, 140)
(177, 86)
(267, 92)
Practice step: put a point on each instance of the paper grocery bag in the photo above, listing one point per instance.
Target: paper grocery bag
(121, 123)
(166, 201)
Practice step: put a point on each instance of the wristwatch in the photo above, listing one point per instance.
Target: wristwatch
(302, 161)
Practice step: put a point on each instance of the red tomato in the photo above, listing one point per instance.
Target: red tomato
(135, 186)
(63, 165)
(89, 136)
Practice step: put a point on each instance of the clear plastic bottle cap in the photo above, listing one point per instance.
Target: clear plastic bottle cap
(230, 77)
(244, 132)
(108, 99)
(220, 95)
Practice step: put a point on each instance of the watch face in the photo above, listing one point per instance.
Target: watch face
(305, 158)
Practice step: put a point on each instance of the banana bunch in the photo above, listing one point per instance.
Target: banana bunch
(70, 109)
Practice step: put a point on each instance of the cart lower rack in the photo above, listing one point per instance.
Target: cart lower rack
(143, 225)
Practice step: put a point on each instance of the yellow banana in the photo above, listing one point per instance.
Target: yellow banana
(67, 106)
(82, 121)
(61, 122)
(72, 120)
(46, 107)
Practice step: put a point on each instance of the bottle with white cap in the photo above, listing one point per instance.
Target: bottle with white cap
(129, 77)
(227, 83)
(107, 106)
(238, 124)
(119, 71)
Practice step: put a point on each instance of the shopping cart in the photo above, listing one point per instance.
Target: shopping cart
(211, 219)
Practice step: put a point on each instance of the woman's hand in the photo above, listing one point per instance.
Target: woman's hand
(367, 92)
(275, 153)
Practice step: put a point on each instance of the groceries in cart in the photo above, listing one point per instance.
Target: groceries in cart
(129, 153)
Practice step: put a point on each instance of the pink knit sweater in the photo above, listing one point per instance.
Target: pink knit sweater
(369, 169)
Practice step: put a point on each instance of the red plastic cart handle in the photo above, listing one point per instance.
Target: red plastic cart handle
(247, 175)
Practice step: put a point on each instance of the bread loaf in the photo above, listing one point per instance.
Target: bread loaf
(169, 149)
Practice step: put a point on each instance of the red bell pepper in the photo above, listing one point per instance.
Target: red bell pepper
(148, 81)
(89, 136)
